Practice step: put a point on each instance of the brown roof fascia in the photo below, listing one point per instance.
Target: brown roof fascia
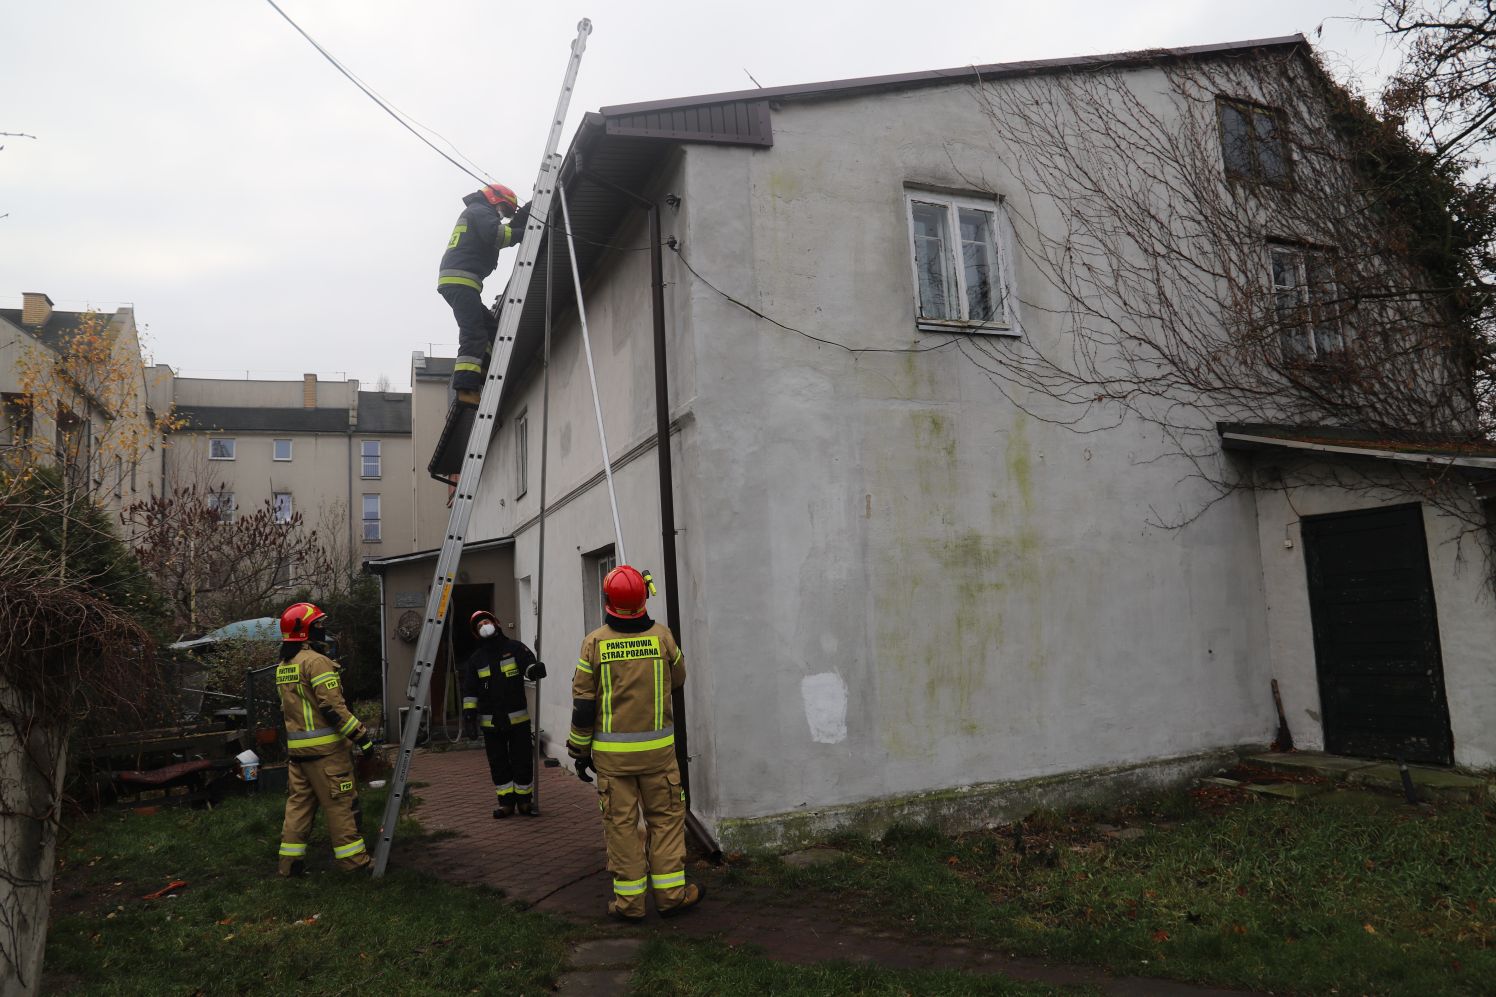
(963, 74)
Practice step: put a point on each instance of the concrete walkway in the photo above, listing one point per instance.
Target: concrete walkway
(556, 863)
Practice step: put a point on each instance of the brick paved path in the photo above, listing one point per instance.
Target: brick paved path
(556, 863)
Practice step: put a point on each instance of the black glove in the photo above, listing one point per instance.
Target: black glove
(517, 223)
(535, 671)
(367, 745)
(470, 723)
(584, 764)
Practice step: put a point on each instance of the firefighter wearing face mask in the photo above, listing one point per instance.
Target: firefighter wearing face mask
(320, 733)
(622, 728)
(493, 700)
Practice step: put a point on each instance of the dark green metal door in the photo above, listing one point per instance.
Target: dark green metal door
(1376, 636)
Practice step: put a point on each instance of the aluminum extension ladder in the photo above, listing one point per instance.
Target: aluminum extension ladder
(418, 691)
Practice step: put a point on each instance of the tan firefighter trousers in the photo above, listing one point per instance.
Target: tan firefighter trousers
(655, 858)
(327, 782)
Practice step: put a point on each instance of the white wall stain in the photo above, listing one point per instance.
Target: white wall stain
(825, 697)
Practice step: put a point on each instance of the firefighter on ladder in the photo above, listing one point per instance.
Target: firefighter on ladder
(622, 729)
(320, 733)
(493, 699)
(472, 254)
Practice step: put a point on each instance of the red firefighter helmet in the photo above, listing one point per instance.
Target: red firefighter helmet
(298, 619)
(624, 591)
(500, 197)
(476, 620)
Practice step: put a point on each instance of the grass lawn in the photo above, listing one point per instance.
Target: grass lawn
(1347, 892)
(237, 928)
(671, 968)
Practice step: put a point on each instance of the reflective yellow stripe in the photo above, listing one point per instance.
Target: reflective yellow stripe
(326, 678)
(675, 660)
(485, 671)
(348, 850)
(668, 880)
(475, 368)
(519, 717)
(580, 740)
(469, 702)
(584, 665)
(607, 703)
(293, 849)
(315, 742)
(629, 887)
(659, 670)
(462, 281)
(510, 670)
(348, 726)
(659, 742)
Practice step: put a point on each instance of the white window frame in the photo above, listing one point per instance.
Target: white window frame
(375, 535)
(222, 502)
(1006, 322)
(275, 449)
(231, 446)
(595, 567)
(521, 454)
(364, 457)
(279, 515)
(1305, 300)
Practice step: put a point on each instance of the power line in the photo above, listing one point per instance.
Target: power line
(675, 248)
(384, 105)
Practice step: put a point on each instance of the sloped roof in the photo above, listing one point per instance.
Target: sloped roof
(59, 327)
(383, 412)
(248, 419)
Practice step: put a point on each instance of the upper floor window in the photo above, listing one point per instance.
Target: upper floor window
(369, 450)
(521, 454)
(372, 526)
(958, 255)
(17, 420)
(1306, 300)
(281, 504)
(220, 448)
(222, 504)
(1253, 142)
(282, 450)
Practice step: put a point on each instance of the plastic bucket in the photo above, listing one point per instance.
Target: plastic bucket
(249, 766)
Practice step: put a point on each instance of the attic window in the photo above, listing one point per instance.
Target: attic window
(1254, 143)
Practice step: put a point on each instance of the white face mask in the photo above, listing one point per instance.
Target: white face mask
(486, 630)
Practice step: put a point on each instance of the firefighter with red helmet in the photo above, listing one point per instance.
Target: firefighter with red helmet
(622, 729)
(493, 699)
(320, 733)
(472, 254)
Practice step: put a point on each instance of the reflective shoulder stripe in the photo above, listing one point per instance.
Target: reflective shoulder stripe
(329, 679)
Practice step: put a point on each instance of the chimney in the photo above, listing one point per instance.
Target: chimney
(36, 308)
(309, 391)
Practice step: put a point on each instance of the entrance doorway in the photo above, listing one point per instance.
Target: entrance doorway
(1376, 636)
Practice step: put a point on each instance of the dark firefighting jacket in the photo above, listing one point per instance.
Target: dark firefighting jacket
(493, 682)
(473, 251)
(621, 697)
(318, 722)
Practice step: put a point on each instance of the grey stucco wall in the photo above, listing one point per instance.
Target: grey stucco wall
(980, 587)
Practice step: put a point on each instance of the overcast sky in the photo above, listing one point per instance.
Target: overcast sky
(199, 160)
